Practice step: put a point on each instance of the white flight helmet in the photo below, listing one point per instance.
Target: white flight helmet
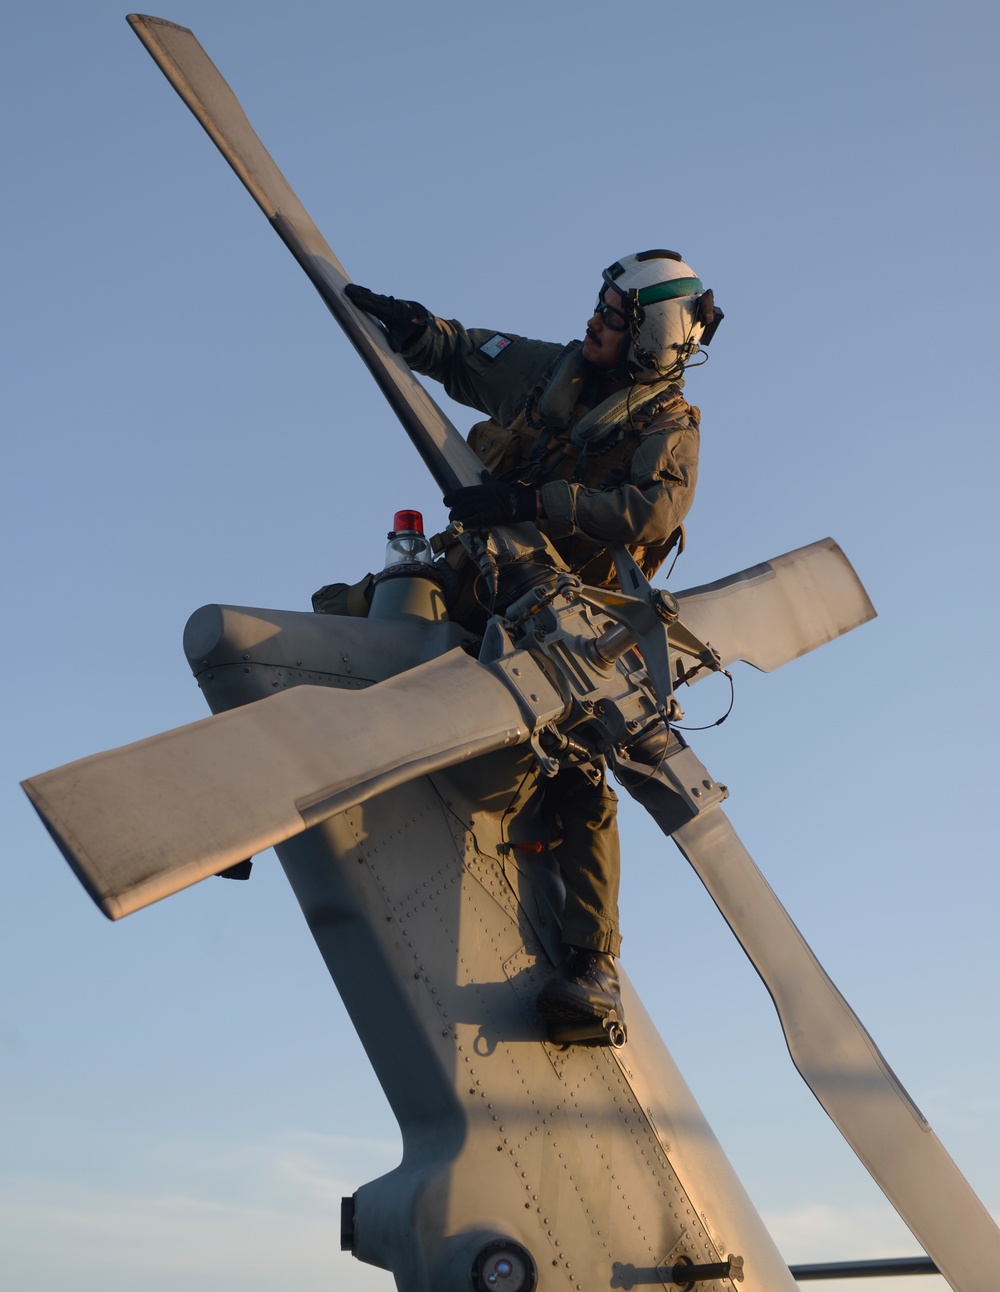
(669, 314)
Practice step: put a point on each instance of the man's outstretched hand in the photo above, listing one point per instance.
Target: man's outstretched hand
(402, 320)
(494, 503)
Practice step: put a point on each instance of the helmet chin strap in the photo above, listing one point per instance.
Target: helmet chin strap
(645, 368)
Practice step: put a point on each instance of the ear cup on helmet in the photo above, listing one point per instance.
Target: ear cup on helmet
(709, 315)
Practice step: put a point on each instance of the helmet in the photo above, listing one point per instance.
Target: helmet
(669, 315)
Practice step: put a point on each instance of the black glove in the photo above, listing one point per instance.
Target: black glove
(493, 503)
(402, 320)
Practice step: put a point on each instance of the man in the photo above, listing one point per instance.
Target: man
(595, 443)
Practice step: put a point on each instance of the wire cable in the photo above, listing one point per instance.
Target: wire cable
(719, 721)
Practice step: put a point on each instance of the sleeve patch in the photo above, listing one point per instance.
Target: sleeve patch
(496, 345)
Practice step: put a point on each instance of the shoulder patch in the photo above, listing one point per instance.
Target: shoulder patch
(496, 345)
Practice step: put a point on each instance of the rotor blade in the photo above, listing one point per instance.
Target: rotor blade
(146, 820)
(200, 84)
(836, 1057)
(779, 610)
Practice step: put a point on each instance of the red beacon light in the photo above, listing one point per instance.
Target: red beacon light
(409, 585)
(407, 544)
(412, 522)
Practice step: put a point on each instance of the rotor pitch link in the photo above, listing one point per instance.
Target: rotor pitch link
(554, 750)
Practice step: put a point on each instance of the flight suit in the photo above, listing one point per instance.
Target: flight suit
(612, 471)
(628, 479)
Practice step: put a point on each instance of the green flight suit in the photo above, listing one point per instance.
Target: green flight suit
(621, 470)
(631, 482)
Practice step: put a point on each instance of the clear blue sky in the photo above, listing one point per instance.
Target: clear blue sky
(182, 1101)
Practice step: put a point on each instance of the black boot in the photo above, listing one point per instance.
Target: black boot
(586, 987)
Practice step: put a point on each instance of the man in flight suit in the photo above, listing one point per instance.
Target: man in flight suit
(595, 443)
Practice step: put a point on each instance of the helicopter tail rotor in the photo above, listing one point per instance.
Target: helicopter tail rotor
(148, 819)
(834, 1054)
(774, 612)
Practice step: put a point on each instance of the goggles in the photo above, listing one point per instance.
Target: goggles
(609, 316)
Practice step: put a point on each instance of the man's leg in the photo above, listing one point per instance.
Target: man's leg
(583, 815)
